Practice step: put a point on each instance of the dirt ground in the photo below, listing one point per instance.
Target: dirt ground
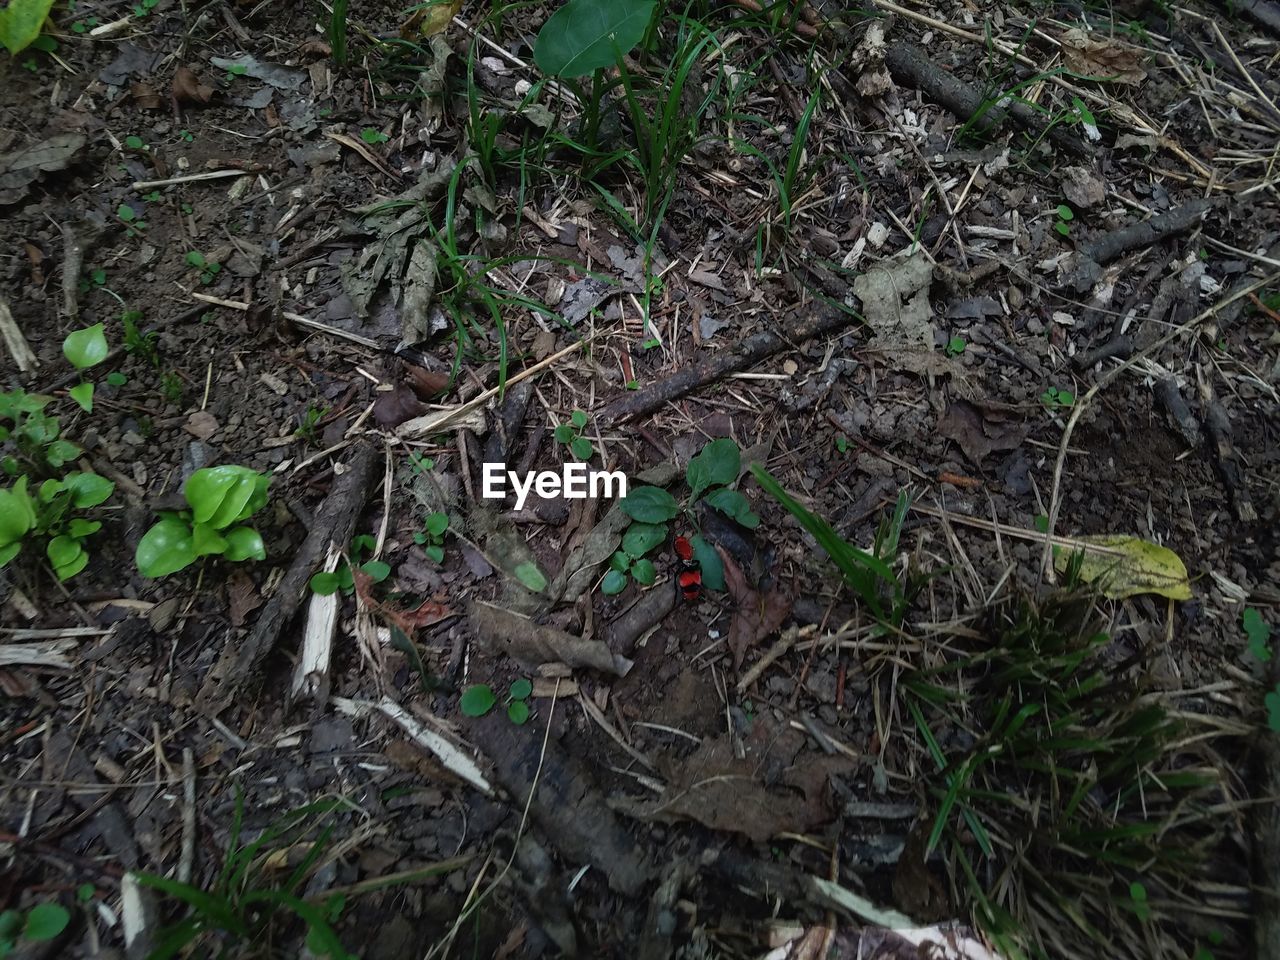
(882, 292)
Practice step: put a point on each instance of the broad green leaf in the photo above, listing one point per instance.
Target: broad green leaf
(17, 513)
(529, 575)
(88, 489)
(67, 556)
(640, 538)
(518, 712)
(164, 549)
(21, 21)
(1124, 566)
(9, 552)
(80, 528)
(709, 562)
(379, 570)
(60, 452)
(587, 35)
(244, 543)
(717, 464)
(477, 700)
(644, 572)
(521, 689)
(434, 553)
(324, 583)
(87, 347)
(620, 562)
(649, 505)
(221, 496)
(82, 393)
(733, 504)
(45, 920)
(206, 540)
(563, 433)
(614, 582)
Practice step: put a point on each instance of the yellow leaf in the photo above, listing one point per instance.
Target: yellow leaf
(1126, 566)
(431, 18)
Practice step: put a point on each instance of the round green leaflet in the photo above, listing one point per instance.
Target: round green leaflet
(244, 543)
(17, 514)
(164, 549)
(640, 538)
(66, 556)
(521, 689)
(87, 347)
(45, 921)
(518, 712)
(477, 700)
(586, 35)
(578, 419)
(644, 572)
(614, 582)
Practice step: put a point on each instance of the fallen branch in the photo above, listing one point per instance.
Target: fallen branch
(750, 351)
(1135, 236)
(334, 522)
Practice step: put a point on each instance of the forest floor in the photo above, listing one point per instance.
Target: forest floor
(972, 282)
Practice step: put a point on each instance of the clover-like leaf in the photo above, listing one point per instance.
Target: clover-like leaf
(477, 700)
(164, 549)
(437, 523)
(521, 689)
(518, 712)
(87, 347)
(581, 448)
(578, 419)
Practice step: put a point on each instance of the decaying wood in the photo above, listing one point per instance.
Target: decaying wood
(1135, 236)
(820, 322)
(311, 673)
(533, 644)
(16, 343)
(911, 66)
(334, 522)
(72, 264)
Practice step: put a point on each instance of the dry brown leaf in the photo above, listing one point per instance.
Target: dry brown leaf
(396, 406)
(242, 597)
(755, 615)
(425, 383)
(144, 95)
(981, 430)
(202, 425)
(187, 87)
(35, 256)
(1102, 58)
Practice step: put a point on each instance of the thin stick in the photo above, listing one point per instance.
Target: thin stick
(189, 178)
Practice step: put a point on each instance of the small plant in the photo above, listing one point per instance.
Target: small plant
(1258, 633)
(40, 924)
(571, 434)
(431, 537)
(479, 699)
(420, 463)
(135, 143)
(955, 346)
(220, 499)
(309, 423)
(639, 539)
(133, 225)
(1065, 216)
(186, 136)
(144, 7)
(1138, 901)
(842, 443)
(209, 269)
(373, 137)
(139, 344)
(236, 70)
(328, 582)
(48, 515)
(85, 25)
(1056, 398)
(171, 386)
(38, 446)
(83, 349)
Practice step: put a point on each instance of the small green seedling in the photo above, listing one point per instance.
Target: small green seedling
(139, 344)
(135, 143)
(209, 269)
(328, 582)
(38, 445)
(97, 278)
(373, 137)
(220, 499)
(1057, 398)
(186, 136)
(431, 537)
(1138, 901)
(85, 25)
(236, 70)
(571, 434)
(309, 423)
(420, 463)
(171, 386)
(117, 379)
(1259, 634)
(144, 7)
(133, 225)
(85, 348)
(955, 346)
(42, 923)
(479, 699)
(842, 443)
(1065, 216)
(48, 515)
(639, 539)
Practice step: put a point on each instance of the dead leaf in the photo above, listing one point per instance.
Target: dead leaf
(19, 168)
(35, 256)
(425, 383)
(755, 615)
(1123, 566)
(144, 96)
(895, 302)
(396, 406)
(242, 597)
(430, 19)
(278, 75)
(981, 430)
(202, 425)
(187, 87)
(868, 62)
(1102, 58)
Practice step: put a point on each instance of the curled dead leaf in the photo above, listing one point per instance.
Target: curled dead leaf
(187, 87)
(425, 383)
(1102, 58)
(144, 95)
(397, 406)
(755, 614)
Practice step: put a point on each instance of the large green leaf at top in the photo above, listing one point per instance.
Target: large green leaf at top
(586, 35)
(221, 496)
(164, 549)
(20, 23)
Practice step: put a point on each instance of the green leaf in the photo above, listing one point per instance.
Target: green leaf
(529, 575)
(67, 556)
(640, 538)
(518, 712)
(521, 689)
(379, 570)
(21, 21)
(196, 259)
(221, 496)
(587, 35)
(325, 583)
(1259, 634)
(45, 921)
(1272, 701)
(434, 553)
(709, 562)
(1066, 213)
(578, 419)
(85, 892)
(477, 700)
(614, 582)
(126, 213)
(733, 504)
(81, 528)
(9, 552)
(563, 433)
(117, 379)
(437, 524)
(620, 562)
(134, 142)
(17, 513)
(649, 505)
(164, 549)
(60, 452)
(82, 393)
(581, 448)
(244, 543)
(87, 489)
(644, 572)
(205, 540)
(87, 347)
(717, 464)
